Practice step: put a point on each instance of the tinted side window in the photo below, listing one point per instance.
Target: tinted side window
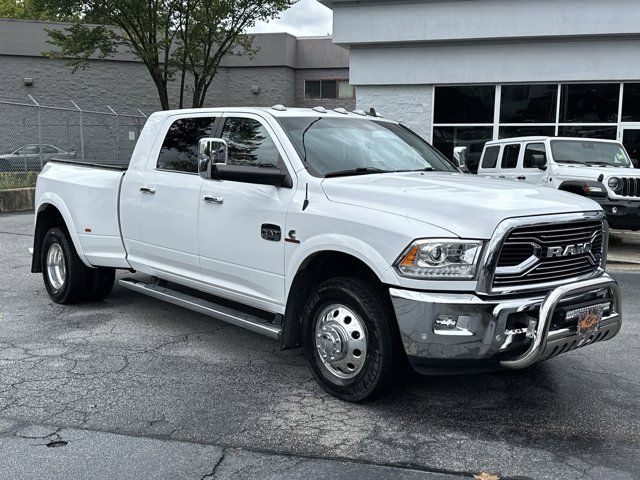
(490, 158)
(535, 155)
(179, 150)
(249, 143)
(510, 156)
(30, 150)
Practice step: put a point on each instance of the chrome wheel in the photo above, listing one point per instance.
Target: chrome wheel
(341, 341)
(56, 267)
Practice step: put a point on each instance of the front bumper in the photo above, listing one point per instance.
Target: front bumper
(621, 214)
(510, 333)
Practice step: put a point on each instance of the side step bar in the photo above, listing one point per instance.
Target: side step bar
(211, 309)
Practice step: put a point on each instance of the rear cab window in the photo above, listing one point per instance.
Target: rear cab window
(179, 151)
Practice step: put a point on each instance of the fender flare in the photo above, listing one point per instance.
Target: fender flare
(335, 243)
(54, 200)
(583, 188)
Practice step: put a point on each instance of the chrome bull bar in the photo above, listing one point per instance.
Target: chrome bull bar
(548, 307)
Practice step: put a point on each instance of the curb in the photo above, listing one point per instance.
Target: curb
(624, 261)
(17, 200)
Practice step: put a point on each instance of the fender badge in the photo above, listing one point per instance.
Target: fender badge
(292, 237)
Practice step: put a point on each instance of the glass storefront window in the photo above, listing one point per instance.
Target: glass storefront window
(528, 131)
(474, 138)
(590, 103)
(529, 103)
(604, 132)
(631, 103)
(469, 104)
(470, 115)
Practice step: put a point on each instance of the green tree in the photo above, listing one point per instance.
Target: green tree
(173, 38)
(23, 9)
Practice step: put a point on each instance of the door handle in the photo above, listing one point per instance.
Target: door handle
(521, 178)
(148, 190)
(212, 199)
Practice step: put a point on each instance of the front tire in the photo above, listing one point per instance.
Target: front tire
(348, 339)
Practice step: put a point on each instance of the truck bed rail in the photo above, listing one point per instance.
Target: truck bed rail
(79, 163)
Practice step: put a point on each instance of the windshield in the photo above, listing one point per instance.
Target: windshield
(348, 146)
(589, 153)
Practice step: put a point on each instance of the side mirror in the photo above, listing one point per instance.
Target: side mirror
(211, 151)
(460, 156)
(247, 174)
(540, 162)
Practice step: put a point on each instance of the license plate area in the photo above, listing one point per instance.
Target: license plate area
(587, 319)
(573, 316)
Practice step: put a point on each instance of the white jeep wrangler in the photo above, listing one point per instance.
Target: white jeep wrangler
(598, 169)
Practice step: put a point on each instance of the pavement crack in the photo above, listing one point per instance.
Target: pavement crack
(215, 467)
(16, 233)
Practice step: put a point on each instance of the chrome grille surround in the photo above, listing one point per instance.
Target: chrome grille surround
(537, 273)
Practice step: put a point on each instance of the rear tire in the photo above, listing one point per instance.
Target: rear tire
(101, 284)
(349, 340)
(66, 278)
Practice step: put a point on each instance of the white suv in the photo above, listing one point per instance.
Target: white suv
(598, 169)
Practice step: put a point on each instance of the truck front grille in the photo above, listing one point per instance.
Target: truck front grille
(630, 187)
(549, 253)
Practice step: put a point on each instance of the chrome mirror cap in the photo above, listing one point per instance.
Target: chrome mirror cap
(211, 151)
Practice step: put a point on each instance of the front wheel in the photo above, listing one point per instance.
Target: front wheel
(349, 342)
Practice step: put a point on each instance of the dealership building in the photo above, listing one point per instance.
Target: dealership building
(284, 69)
(462, 72)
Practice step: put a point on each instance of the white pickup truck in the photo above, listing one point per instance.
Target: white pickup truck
(341, 232)
(598, 169)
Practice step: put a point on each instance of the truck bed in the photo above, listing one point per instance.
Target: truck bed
(88, 197)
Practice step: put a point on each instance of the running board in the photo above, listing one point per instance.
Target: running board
(211, 309)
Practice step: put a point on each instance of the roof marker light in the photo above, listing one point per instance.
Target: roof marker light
(279, 108)
(341, 111)
(360, 112)
(319, 109)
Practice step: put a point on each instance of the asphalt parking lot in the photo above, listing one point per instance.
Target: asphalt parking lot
(133, 387)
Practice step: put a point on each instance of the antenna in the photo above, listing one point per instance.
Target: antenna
(305, 204)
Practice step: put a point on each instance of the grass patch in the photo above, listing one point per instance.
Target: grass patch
(17, 180)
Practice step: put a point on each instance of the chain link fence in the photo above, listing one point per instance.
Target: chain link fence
(31, 134)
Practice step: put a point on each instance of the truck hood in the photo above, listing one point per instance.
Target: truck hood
(467, 205)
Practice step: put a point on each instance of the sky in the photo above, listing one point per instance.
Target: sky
(306, 18)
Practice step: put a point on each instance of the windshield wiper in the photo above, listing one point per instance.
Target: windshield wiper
(571, 161)
(356, 171)
(425, 169)
(604, 164)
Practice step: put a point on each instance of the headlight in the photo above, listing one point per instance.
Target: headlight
(615, 184)
(440, 259)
